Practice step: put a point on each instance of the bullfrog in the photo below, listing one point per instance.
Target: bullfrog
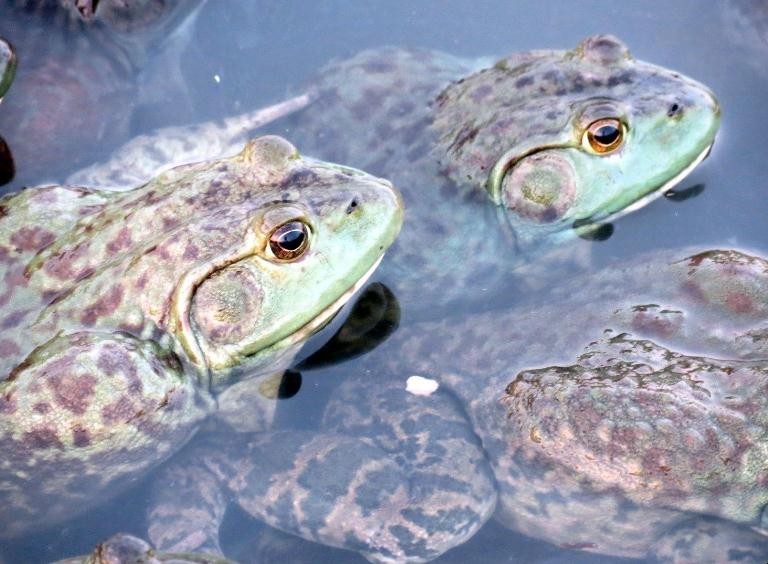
(557, 141)
(624, 414)
(499, 161)
(126, 318)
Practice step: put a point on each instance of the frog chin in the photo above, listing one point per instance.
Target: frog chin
(296, 339)
(277, 355)
(661, 190)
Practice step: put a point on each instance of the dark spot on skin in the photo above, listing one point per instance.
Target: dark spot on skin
(42, 407)
(43, 438)
(121, 242)
(32, 238)
(523, 82)
(551, 115)
(298, 177)
(72, 392)
(560, 92)
(625, 77)
(481, 93)
(81, 437)
(739, 303)
(191, 252)
(142, 281)
(550, 75)
(104, 306)
(8, 348)
(114, 360)
(171, 222)
(119, 411)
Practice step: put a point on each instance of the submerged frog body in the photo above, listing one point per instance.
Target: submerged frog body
(661, 418)
(125, 316)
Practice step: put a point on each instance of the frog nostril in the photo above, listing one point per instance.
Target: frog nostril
(675, 110)
(352, 205)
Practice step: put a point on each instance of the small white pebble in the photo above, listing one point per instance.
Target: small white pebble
(420, 386)
(217, 78)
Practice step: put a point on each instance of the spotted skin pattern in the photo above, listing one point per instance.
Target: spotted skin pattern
(438, 125)
(108, 361)
(659, 419)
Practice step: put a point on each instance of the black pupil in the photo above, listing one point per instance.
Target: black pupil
(606, 134)
(292, 239)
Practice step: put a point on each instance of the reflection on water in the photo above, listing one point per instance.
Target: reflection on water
(81, 92)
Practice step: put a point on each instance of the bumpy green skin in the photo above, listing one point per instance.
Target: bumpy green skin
(443, 128)
(123, 314)
(7, 66)
(661, 416)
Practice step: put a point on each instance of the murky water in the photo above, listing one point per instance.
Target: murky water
(240, 55)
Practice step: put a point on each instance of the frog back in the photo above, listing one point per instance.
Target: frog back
(31, 221)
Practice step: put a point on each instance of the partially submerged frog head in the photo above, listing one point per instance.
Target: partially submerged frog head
(283, 261)
(565, 138)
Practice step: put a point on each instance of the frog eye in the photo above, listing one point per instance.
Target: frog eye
(604, 136)
(290, 240)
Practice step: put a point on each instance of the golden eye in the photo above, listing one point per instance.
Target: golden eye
(290, 240)
(605, 135)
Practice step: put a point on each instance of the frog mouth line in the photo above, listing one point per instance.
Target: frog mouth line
(320, 320)
(648, 198)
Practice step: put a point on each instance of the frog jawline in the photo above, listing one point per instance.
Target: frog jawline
(320, 320)
(661, 190)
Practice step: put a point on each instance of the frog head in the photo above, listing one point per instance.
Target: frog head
(284, 260)
(566, 138)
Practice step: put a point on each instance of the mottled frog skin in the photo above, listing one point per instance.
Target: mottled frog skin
(649, 412)
(125, 317)
(454, 133)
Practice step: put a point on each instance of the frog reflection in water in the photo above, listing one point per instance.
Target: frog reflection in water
(553, 138)
(128, 316)
(617, 452)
